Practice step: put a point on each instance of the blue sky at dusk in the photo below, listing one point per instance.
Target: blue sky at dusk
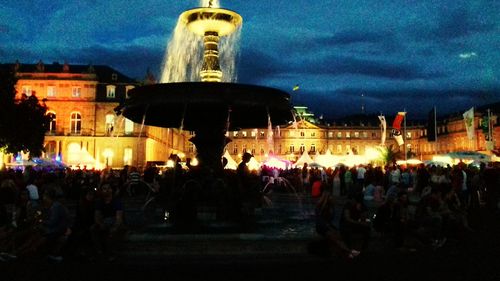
(412, 54)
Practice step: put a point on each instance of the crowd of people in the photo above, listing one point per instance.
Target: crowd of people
(443, 202)
(35, 220)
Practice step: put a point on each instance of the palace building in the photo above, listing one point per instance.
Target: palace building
(86, 131)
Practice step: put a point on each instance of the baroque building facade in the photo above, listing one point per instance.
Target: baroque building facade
(86, 131)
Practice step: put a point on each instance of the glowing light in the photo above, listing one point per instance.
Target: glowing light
(274, 162)
(194, 162)
(253, 164)
(170, 163)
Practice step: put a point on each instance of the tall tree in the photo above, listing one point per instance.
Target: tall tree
(23, 122)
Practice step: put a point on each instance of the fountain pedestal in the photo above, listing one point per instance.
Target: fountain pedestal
(210, 143)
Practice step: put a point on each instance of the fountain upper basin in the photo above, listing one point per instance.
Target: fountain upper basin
(203, 20)
(201, 105)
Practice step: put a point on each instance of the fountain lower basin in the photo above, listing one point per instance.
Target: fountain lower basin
(200, 105)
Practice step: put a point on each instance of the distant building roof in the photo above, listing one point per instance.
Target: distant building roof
(104, 73)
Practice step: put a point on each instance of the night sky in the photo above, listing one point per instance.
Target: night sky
(397, 54)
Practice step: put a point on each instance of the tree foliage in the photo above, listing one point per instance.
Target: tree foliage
(23, 122)
(388, 154)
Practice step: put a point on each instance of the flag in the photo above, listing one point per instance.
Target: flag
(396, 128)
(432, 126)
(296, 87)
(469, 123)
(383, 123)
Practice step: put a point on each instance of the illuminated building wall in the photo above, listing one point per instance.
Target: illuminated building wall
(86, 130)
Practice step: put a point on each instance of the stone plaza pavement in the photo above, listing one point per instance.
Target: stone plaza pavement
(278, 249)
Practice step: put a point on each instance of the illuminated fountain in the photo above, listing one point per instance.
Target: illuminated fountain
(208, 105)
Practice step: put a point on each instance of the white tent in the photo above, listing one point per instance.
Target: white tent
(326, 160)
(304, 158)
(231, 164)
(275, 162)
(253, 164)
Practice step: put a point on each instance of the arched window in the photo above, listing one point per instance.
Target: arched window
(110, 91)
(52, 124)
(50, 149)
(110, 123)
(76, 123)
(302, 148)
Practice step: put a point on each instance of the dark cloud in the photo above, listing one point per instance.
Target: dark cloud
(255, 66)
(133, 61)
(453, 23)
(337, 65)
(416, 101)
(347, 37)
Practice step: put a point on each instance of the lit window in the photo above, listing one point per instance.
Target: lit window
(244, 149)
(127, 89)
(244, 134)
(330, 134)
(348, 148)
(76, 92)
(110, 123)
(52, 124)
(262, 134)
(365, 135)
(339, 135)
(27, 90)
(191, 148)
(127, 156)
(50, 149)
(408, 135)
(254, 133)
(356, 134)
(348, 135)
(129, 126)
(108, 156)
(235, 134)
(339, 148)
(110, 91)
(76, 123)
(51, 91)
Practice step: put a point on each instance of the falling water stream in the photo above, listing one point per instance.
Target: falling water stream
(184, 54)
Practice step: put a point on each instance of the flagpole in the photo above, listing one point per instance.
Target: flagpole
(435, 130)
(404, 134)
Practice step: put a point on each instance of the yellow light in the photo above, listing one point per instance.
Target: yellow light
(181, 155)
(194, 162)
(170, 164)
